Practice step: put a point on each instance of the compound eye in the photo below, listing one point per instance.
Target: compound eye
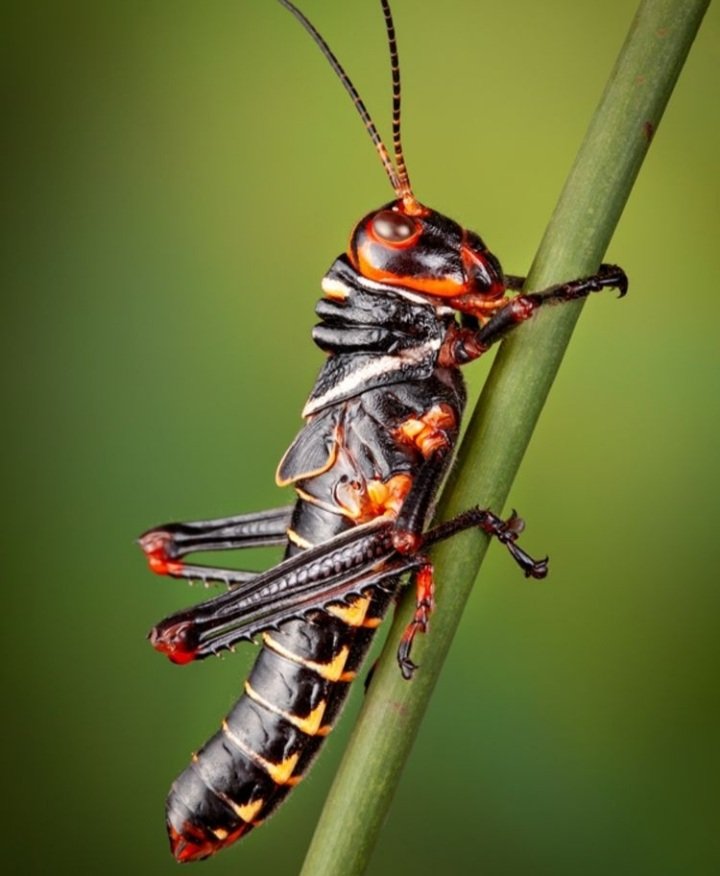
(392, 227)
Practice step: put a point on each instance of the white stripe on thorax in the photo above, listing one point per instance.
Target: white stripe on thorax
(380, 365)
(331, 285)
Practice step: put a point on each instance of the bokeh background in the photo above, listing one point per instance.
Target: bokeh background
(177, 178)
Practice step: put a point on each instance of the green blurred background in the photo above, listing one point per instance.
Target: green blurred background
(178, 177)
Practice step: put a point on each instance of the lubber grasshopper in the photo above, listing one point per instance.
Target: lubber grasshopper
(415, 297)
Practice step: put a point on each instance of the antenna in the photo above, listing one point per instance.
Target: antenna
(399, 178)
(395, 70)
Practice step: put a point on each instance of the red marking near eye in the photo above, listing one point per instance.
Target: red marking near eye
(475, 263)
(365, 263)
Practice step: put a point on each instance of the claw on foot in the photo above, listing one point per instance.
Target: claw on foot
(407, 667)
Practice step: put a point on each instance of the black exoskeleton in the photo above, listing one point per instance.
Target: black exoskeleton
(415, 297)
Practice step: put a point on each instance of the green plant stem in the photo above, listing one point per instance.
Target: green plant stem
(576, 238)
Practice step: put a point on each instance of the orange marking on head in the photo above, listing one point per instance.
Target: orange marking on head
(441, 287)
